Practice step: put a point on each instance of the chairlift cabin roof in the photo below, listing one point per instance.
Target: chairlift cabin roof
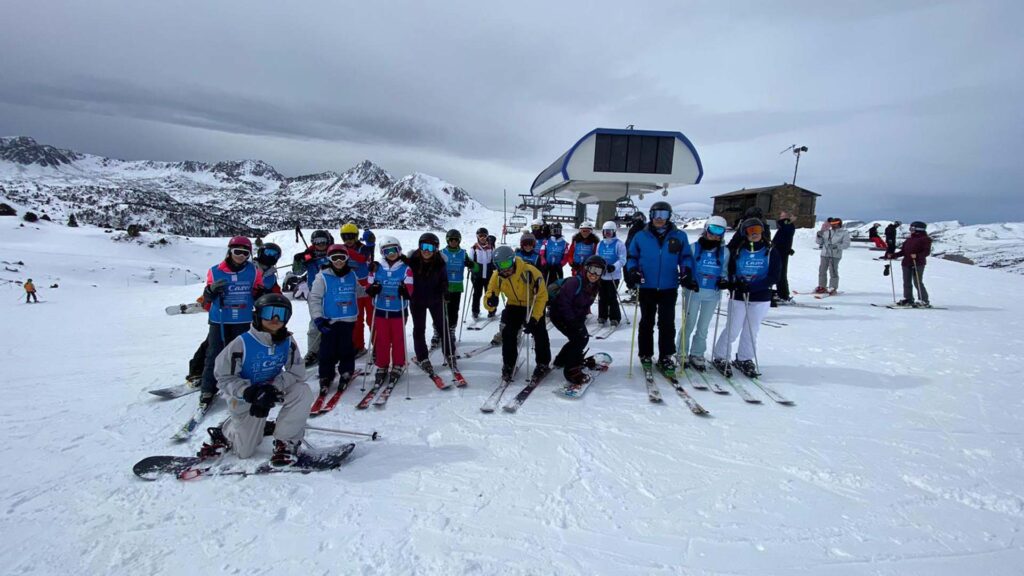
(608, 163)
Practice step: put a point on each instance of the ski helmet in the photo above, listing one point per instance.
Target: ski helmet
(662, 209)
(338, 249)
(595, 260)
(428, 239)
(268, 254)
(388, 243)
(752, 226)
(638, 217)
(453, 234)
(349, 228)
(527, 239)
(271, 306)
(368, 237)
(754, 212)
(240, 242)
(898, 223)
(918, 226)
(504, 259)
(321, 238)
(587, 225)
(556, 229)
(492, 240)
(716, 225)
(609, 226)
(482, 231)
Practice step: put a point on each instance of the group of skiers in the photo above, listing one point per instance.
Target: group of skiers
(368, 283)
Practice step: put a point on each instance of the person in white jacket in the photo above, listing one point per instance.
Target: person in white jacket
(833, 239)
(257, 371)
(613, 251)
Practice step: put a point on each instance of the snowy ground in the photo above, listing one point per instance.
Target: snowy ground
(903, 455)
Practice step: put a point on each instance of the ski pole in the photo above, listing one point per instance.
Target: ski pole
(728, 329)
(917, 275)
(718, 314)
(405, 349)
(372, 436)
(447, 336)
(369, 349)
(465, 295)
(750, 331)
(892, 281)
(529, 314)
(632, 340)
(683, 336)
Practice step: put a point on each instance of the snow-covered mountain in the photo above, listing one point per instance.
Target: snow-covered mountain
(201, 199)
(990, 245)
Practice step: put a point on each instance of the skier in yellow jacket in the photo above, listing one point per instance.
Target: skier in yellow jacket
(30, 292)
(526, 297)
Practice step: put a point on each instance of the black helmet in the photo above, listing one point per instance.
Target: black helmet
(556, 229)
(482, 231)
(322, 237)
(918, 226)
(428, 238)
(268, 254)
(754, 212)
(503, 255)
(660, 205)
(453, 234)
(275, 301)
(595, 260)
(638, 216)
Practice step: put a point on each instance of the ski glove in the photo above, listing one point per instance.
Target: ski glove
(261, 399)
(686, 281)
(531, 326)
(373, 289)
(216, 289)
(791, 251)
(322, 324)
(492, 301)
(723, 284)
(609, 269)
(741, 285)
(403, 292)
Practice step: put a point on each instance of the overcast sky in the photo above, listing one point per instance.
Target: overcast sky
(911, 110)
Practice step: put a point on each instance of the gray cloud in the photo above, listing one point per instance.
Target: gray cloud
(901, 103)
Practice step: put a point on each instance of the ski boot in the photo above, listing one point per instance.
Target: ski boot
(476, 315)
(747, 367)
(646, 363)
(820, 290)
(325, 384)
(905, 302)
(435, 341)
(343, 379)
(380, 376)
(496, 341)
(193, 380)
(602, 321)
(667, 366)
(396, 373)
(577, 377)
(922, 304)
(722, 366)
(615, 323)
(206, 399)
(833, 291)
(696, 362)
(425, 365)
(506, 372)
(217, 445)
(541, 371)
(310, 358)
(491, 314)
(285, 453)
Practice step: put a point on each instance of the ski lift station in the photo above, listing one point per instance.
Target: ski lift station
(609, 164)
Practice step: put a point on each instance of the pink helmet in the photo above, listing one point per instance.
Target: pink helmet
(240, 242)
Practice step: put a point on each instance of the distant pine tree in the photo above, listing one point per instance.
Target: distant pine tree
(72, 221)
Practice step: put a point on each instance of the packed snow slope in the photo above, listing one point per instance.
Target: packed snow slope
(904, 453)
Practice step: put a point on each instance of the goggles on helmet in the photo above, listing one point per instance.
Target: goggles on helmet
(274, 312)
(663, 214)
(320, 242)
(389, 250)
(339, 257)
(271, 252)
(240, 252)
(428, 247)
(608, 233)
(754, 230)
(716, 229)
(596, 270)
(505, 264)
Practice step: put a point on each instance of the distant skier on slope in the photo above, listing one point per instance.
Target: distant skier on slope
(334, 308)
(613, 252)
(702, 296)
(874, 237)
(569, 316)
(833, 239)
(915, 252)
(391, 284)
(231, 288)
(659, 262)
(257, 371)
(753, 269)
(30, 292)
(526, 296)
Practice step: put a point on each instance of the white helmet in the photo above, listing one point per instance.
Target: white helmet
(537, 222)
(610, 225)
(525, 230)
(587, 224)
(716, 221)
(388, 241)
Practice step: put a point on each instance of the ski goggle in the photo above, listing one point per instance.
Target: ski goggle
(339, 257)
(505, 264)
(608, 233)
(754, 230)
(274, 313)
(389, 250)
(427, 247)
(240, 252)
(320, 242)
(271, 253)
(663, 214)
(716, 229)
(349, 236)
(595, 270)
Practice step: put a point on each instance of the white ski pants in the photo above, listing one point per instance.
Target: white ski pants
(744, 321)
(245, 431)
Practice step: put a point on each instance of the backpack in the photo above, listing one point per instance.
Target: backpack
(555, 287)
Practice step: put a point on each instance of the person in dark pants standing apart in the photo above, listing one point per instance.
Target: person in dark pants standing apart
(659, 261)
(890, 237)
(784, 230)
(915, 251)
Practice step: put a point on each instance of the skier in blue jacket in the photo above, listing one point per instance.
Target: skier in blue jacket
(710, 275)
(659, 261)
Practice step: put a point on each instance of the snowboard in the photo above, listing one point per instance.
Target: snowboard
(190, 308)
(602, 362)
(190, 467)
(178, 391)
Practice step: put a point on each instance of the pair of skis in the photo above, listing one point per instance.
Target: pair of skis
(654, 395)
(745, 394)
(898, 307)
(384, 381)
(481, 323)
(325, 402)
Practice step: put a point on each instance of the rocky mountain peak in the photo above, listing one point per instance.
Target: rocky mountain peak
(26, 151)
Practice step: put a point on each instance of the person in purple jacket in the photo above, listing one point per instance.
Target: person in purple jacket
(569, 315)
(915, 251)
